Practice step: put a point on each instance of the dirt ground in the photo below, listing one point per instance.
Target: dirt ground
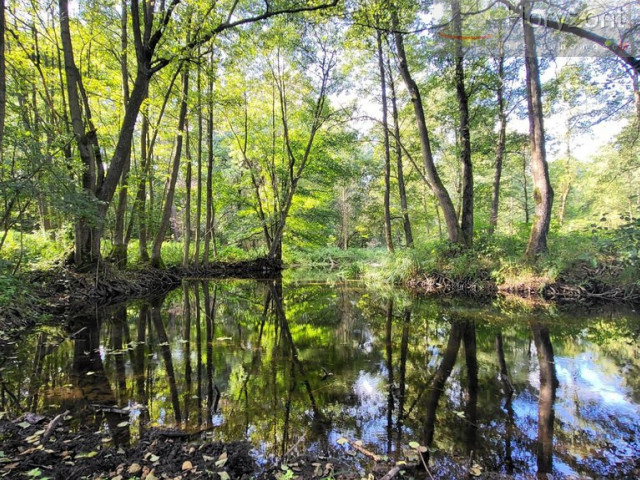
(26, 452)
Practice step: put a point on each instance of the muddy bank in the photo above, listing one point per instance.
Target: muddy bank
(587, 291)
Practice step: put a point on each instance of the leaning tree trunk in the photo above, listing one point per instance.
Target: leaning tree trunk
(156, 250)
(543, 193)
(387, 152)
(441, 193)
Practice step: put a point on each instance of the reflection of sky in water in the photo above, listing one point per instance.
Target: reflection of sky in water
(595, 417)
(368, 389)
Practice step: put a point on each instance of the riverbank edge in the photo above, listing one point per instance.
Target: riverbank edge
(61, 292)
(588, 291)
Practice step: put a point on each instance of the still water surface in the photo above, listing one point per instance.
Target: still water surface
(523, 390)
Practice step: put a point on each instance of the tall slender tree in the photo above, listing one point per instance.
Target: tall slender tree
(431, 173)
(543, 192)
(387, 150)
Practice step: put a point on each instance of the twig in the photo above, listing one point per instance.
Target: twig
(361, 449)
(53, 424)
(392, 473)
(424, 464)
(295, 445)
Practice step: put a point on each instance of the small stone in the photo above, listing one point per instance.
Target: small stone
(187, 465)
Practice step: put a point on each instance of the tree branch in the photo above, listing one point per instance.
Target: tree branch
(561, 26)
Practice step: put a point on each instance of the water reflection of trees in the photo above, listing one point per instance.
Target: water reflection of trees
(279, 365)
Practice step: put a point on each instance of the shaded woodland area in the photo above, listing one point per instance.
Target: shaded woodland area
(186, 131)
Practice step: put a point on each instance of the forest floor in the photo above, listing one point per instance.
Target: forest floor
(39, 447)
(43, 448)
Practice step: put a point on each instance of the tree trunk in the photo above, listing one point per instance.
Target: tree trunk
(471, 407)
(387, 153)
(187, 207)
(3, 79)
(141, 199)
(543, 192)
(563, 202)
(208, 228)
(500, 148)
(449, 211)
(198, 236)
(466, 217)
(119, 253)
(548, 386)
(525, 187)
(408, 233)
(156, 250)
(87, 238)
(440, 378)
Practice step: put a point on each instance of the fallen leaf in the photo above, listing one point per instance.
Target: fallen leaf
(342, 441)
(414, 445)
(24, 424)
(475, 470)
(222, 459)
(134, 469)
(122, 424)
(151, 476)
(187, 465)
(224, 476)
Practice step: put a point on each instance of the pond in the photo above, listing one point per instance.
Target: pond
(507, 386)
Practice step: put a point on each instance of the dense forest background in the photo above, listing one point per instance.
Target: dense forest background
(183, 132)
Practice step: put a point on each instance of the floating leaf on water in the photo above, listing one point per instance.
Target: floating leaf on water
(342, 441)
